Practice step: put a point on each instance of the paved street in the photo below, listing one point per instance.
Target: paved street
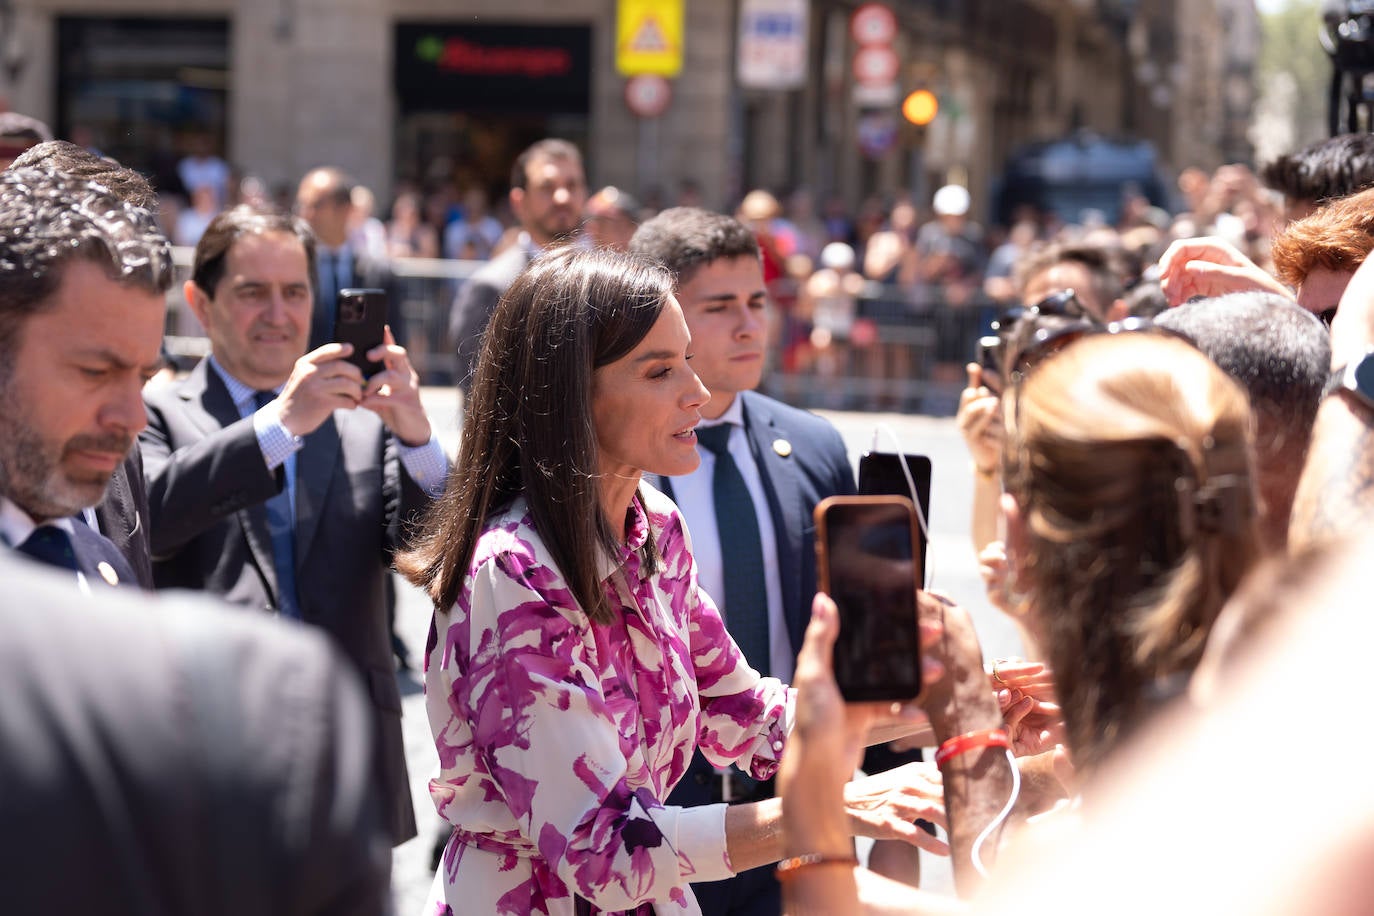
(951, 559)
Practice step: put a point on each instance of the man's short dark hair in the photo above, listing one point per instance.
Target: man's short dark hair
(207, 267)
(1325, 170)
(1279, 353)
(78, 162)
(551, 148)
(685, 239)
(48, 220)
(339, 185)
(1107, 265)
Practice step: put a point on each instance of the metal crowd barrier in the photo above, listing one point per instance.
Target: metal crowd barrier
(894, 348)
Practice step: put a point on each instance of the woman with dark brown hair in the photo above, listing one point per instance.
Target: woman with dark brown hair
(573, 663)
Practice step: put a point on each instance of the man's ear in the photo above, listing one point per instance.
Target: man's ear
(198, 302)
(517, 204)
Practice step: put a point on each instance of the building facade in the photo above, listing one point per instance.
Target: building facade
(450, 90)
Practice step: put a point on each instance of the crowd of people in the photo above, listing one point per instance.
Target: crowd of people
(628, 674)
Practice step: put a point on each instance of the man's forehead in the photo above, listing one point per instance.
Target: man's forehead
(259, 251)
(552, 168)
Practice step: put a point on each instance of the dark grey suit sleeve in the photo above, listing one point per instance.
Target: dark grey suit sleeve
(472, 310)
(194, 487)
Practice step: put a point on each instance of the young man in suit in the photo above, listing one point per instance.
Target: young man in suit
(82, 281)
(282, 479)
(547, 193)
(788, 461)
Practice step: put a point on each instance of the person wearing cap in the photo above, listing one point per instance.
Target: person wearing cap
(950, 256)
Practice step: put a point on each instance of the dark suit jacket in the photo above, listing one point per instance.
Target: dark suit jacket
(123, 518)
(369, 274)
(812, 465)
(91, 550)
(474, 304)
(207, 483)
(180, 760)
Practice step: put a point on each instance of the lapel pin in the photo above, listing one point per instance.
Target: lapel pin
(107, 573)
(782, 447)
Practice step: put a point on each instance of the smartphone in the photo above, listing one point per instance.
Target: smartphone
(990, 359)
(880, 474)
(360, 320)
(867, 562)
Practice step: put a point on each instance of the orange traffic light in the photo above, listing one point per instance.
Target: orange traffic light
(921, 107)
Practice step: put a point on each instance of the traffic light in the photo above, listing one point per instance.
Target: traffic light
(920, 107)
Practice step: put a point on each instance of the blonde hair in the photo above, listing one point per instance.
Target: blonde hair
(1129, 456)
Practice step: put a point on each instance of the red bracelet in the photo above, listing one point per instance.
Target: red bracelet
(787, 868)
(988, 737)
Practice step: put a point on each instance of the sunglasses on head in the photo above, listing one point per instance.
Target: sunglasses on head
(1063, 303)
(1044, 345)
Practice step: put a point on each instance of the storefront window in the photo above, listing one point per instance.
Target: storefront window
(470, 98)
(145, 91)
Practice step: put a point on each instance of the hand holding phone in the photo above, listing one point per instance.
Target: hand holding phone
(868, 563)
(360, 320)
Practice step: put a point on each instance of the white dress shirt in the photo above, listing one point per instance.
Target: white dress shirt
(693, 494)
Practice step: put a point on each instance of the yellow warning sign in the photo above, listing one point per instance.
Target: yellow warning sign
(648, 37)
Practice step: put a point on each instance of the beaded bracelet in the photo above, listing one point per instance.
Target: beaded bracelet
(989, 737)
(788, 868)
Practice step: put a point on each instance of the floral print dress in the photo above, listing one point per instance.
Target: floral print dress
(558, 738)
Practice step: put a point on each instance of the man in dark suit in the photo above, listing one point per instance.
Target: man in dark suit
(213, 764)
(324, 199)
(268, 485)
(122, 515)
(776, 463)
(548, 190)
(82, 281)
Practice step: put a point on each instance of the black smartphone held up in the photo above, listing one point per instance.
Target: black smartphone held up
(360, 320)
(990, 360)
(880, 474)
(866, 560)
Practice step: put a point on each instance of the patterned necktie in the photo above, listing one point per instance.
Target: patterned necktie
(51, 545)
(283, 538)
(745, 602)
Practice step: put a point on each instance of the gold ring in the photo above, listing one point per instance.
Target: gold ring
(996, 675)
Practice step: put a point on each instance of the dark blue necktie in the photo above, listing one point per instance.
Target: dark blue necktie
(329, 287)
(51, 545)
(283, 538)
(745, 602)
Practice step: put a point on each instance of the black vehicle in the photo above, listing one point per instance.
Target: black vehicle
(1079, 177)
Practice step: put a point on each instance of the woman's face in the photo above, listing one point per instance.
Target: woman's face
(646, 405)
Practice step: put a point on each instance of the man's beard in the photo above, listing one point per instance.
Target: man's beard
(31, 473)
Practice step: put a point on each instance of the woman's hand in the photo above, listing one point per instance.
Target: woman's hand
(885, 805)
(1025, 694)
(980, 421)
(1211, 266)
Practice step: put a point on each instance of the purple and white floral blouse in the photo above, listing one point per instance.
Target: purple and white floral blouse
(558, 738)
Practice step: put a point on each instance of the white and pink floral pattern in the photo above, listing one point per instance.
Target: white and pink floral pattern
(559, 738)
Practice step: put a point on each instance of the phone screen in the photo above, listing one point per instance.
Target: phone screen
(868, 564)
(361, 321)
(880, 473)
